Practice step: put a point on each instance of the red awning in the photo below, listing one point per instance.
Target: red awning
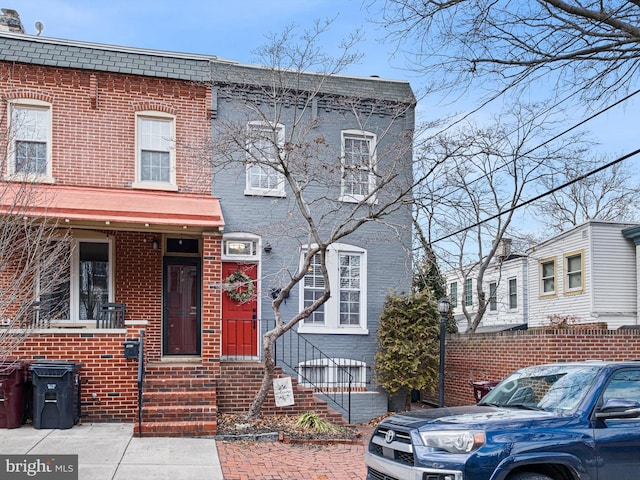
(114, 207)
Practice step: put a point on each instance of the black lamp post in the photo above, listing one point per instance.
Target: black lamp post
(443, 308)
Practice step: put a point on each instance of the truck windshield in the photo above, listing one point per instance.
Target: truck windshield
(545, 387)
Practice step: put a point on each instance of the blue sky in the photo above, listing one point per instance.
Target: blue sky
(228, 29)
(233, 30)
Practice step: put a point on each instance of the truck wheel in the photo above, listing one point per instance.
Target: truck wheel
(528, 476)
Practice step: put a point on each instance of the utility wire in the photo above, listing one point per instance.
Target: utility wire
(542, 195)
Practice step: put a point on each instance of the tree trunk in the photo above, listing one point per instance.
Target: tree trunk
(267, 378)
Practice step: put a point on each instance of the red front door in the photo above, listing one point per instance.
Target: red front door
(182, 306)
(239, 315)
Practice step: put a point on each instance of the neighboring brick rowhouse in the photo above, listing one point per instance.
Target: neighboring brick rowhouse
(481, 357)
(93, 122)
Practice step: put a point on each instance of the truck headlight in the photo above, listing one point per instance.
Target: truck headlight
(454, 441)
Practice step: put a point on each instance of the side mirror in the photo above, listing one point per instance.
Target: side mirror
(618, 408)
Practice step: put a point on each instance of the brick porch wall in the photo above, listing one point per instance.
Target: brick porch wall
(493, 356)
(104, 372)
(240, 381)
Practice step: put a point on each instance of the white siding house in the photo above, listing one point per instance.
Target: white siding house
(586, 275)
(505, 286)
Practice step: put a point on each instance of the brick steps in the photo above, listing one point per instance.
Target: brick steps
(178, 401)
(239, 381)
(184, 428)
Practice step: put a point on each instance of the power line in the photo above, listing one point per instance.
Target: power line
(542, 195)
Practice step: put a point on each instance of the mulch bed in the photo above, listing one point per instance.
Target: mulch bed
(281, 428)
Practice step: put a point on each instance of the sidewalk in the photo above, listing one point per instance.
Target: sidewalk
(109, 451)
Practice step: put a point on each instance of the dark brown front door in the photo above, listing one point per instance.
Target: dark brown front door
(239, 318)
(181, 306)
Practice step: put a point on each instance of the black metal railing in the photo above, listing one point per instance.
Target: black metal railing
(332, 378)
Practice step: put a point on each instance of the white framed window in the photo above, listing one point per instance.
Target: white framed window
(574, 278)
(513, 293)
(90, 282)
(346, 309)
(332, 373)
(155, 151)
(453, 294)
(493, 297)
(358, 165)
(547, 274)
(264, 143)
(30, 142)
(468, 292)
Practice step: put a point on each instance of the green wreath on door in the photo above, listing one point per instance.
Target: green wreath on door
(233, 284)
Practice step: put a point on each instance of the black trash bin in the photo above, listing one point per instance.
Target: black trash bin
(480, 389)
(56, 394)
(11, 393)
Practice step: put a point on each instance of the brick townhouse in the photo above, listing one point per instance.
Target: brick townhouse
(123, 161)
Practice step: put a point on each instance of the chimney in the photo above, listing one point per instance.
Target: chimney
(10, 21)
(504, 248)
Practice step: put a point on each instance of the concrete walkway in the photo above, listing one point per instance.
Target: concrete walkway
(109, 451)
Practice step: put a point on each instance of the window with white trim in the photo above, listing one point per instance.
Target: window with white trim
(453, 294)
(574, 266)
(468, 292)
(264, 143)
(513, 293)
(493, 296)
(358, 165)
(331, 373)
(346, 310)
(90, 283)
(547, 271)
(30, 141)
(155, 151)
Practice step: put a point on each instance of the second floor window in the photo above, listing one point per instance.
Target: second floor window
(453, 294)
(468, 292)
(358, 165)
(30, 140)
(513, 293)
(547, 277)
(574, 267)
(493, 296)
(264, 142)
(155, 162)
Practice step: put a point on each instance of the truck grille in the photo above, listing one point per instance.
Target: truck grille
(376, 475)
(400, 450)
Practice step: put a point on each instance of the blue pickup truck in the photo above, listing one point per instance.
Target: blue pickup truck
(563, 421)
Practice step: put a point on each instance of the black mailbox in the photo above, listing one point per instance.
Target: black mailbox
(131, 348)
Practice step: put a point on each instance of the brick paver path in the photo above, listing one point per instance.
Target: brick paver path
(282, 461)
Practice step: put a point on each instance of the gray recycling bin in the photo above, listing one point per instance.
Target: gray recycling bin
(56, 394)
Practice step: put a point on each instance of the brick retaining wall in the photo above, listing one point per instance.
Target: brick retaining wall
(492, 356)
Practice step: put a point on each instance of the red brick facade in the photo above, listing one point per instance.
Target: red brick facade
(93, 145)
(93, 122)
(483, 357)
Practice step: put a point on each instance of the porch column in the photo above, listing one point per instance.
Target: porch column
(211, 301)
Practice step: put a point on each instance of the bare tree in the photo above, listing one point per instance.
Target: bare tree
(591, 46)
(34, 251)
(305, 162)
(483, 174)
(610, 194)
